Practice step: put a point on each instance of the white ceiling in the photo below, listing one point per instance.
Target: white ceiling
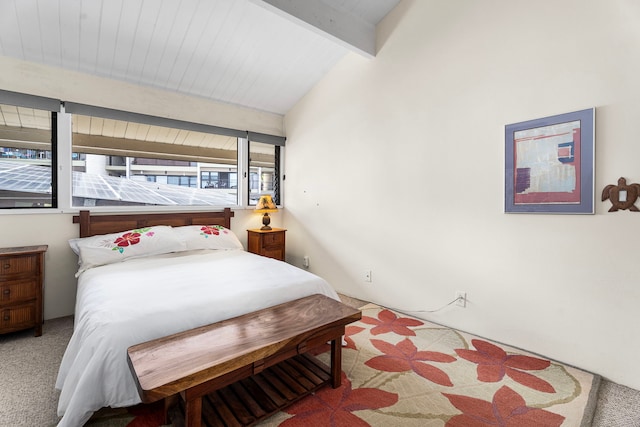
(261, 54)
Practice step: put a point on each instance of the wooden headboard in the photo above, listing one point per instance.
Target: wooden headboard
(90, 225)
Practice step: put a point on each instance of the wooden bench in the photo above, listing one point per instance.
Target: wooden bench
(262, 353)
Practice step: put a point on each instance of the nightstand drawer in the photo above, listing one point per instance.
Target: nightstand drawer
(269, 243)
(276, 253)
(273, 239)
(17, 265)
(18, 290)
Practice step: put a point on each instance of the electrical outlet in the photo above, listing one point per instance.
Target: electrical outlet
(305, 261)
(461, 298)
(367, 276)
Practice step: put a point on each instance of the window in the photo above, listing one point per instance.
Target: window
(264, 171)
(27, 157)
(121, 158)
(127, 163)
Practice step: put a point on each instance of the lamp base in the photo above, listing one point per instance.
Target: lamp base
(266, 221)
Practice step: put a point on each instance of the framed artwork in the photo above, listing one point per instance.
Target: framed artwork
(549, 164)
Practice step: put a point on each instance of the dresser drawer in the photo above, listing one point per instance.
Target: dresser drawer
(17, 265)
(21, 284)
(18, 317)
(18, 290)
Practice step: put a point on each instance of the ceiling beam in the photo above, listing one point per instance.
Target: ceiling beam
(348, 30)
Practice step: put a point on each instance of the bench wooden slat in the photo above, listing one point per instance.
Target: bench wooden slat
(308, 374)
(272, 388)
(252, 406)
(223, 410)
(209, 413)
(236, 406)
(288, 381)
(266, 395)
(296, 376)
(308, 363)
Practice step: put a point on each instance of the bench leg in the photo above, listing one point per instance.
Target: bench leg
(168, 403)
(336, 362)
(193, 412)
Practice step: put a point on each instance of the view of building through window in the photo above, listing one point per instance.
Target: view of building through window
(120, 163)
(26, 146)
(100, 180)
(162, 166)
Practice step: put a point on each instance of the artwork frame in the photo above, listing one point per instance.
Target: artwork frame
(549, 164)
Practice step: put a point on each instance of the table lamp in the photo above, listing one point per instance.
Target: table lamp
(266, 205)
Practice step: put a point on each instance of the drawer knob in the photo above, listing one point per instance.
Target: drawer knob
(6, 266)
(6, 291)
(7, 317)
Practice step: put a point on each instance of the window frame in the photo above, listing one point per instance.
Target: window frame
(62, 155)
(51, 105)
(279, 142)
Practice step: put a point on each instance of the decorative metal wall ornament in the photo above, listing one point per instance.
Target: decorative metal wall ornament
(622, 196)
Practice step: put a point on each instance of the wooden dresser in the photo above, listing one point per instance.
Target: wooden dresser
(21, 283)
(269, 243)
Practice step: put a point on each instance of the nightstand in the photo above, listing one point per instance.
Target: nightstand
(269, 243)
(21, 282)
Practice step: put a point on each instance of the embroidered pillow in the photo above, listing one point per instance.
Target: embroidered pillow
(208, 237)
(109, 248)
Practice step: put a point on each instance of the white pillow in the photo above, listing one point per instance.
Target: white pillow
(208, 237)
(109, 248)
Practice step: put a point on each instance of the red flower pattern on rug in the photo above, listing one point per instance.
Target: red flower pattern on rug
(494, 363)
(387, 321)
(405, 357)
(349, 331)
(335, 407)
(507, 409)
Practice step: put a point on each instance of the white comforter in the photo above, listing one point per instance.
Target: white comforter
(123, 304)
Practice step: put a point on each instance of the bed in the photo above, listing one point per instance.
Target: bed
(194, 272)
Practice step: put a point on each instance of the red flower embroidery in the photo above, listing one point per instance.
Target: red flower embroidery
(507, 409)
(387, 321)
(405, 357)
(334, 407)
(128, 239)
(211, 229)
(493, 363)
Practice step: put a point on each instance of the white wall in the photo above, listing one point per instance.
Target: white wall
(396, 164)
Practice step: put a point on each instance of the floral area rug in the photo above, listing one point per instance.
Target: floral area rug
(402, 371)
